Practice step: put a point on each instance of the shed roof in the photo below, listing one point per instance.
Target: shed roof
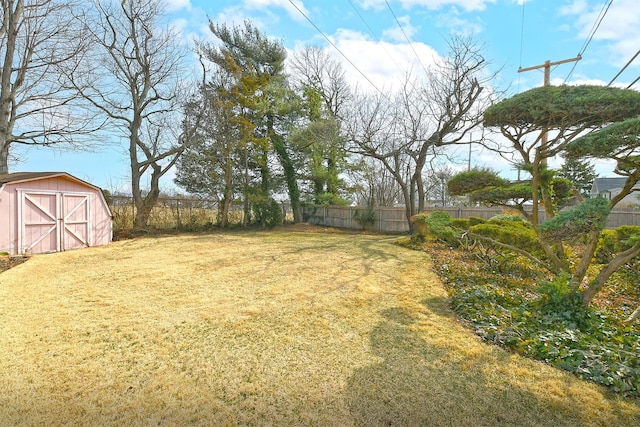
(30, 176)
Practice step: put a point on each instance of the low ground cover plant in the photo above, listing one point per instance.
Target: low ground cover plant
(507, 300)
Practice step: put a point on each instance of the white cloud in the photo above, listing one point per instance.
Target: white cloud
(620, 28)
(453, 21)
(245, 11)
(372, 4)
(578, 81)
(190, 22)
(293, 10)
(384, 64)
(235, 16)
(396, 33)
(468, 5)
(577, 7)
(175, 5)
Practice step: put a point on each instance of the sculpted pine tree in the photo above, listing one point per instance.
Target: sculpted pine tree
(619, 142)
(565, 113)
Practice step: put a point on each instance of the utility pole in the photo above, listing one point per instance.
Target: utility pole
(547, 81)
(547, 67)
(469, 164)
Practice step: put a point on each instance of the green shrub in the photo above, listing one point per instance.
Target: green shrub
(616, 240)
(507, 217)
(575, 222)
(556, 296)
(475, 179)
(474, 220)
(267, 213)
(460, 223)
(365, 217)
(554, 327)
(545, 322)
(510, 232)
(607, 246)
(438, 219)
(435, 225)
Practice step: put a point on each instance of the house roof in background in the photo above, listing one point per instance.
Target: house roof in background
(607, 184)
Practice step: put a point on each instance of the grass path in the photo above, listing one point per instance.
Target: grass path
(272, 328)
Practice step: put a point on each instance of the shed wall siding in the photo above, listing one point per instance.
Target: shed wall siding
(8, 219)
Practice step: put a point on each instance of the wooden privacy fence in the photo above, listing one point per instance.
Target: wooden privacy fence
(393, 220)
(184, 213)
(619, 217)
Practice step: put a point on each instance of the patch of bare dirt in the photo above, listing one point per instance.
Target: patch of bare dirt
(305, 227)
(6, 262)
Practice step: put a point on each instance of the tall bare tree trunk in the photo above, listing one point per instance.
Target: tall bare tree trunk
(6, 93)
(4, 153)
(138, 90)
(39, 39)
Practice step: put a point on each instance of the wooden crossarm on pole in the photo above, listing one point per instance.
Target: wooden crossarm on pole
(547, 81)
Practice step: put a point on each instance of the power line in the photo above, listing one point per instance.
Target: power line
(594, 29)
(521, 33)
(338, 49)
(374, 36)
(521, 41)
(596, 25)
(624, 68)
(633, 82)
(407, 38)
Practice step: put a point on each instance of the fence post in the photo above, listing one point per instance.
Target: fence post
(178, 212)
(133, 211)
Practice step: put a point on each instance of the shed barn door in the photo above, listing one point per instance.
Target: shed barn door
(53, 221)
(75, 225)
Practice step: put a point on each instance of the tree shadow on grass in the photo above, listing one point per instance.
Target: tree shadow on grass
(438, 305)
(421, 382)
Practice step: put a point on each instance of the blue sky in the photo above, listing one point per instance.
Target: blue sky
(384, 39)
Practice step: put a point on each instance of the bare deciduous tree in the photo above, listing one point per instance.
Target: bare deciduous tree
(423, 119)
(374, 185)
(314, 69)
(136, 78)
(38, 38)
(436, 185)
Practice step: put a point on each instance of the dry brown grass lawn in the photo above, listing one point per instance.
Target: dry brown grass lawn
(274, 328)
